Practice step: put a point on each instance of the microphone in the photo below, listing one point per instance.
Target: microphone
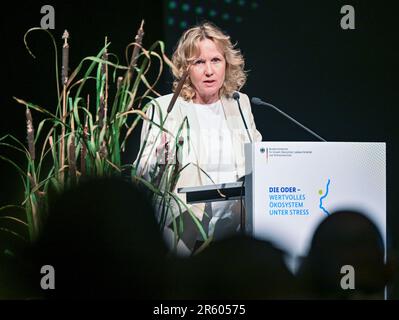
(236, 97)
(259, 102)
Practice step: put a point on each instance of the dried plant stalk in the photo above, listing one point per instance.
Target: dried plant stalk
(30, 134)
(65, 66)
(138, 39)
(72, 157)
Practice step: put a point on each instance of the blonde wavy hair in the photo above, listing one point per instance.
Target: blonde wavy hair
(187, 51)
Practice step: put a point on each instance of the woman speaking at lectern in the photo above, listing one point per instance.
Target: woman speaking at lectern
(208, 72)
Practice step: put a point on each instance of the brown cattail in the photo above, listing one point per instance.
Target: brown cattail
(65, 58)
(177, 91)
(30, 134)
(102, 114)
(138, 39)
(84, 150)
(105, 58)
(72, 157)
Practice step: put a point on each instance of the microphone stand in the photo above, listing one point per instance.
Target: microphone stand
(236, 97)
(259, 102)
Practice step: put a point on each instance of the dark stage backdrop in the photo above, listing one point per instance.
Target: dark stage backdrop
(340, 83)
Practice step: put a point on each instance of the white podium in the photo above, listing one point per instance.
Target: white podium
(290, 187)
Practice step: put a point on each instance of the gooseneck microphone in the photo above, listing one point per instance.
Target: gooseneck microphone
(259, 102)
(236, 97)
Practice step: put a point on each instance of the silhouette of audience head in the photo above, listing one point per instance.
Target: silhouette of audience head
(345, 238)
(102, 239)
(235, 268)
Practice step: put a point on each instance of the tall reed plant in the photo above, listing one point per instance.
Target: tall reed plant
(83, 135)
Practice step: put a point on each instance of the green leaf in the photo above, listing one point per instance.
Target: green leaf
(13, 233)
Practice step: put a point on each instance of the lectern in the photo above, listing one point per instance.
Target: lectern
(290, 187)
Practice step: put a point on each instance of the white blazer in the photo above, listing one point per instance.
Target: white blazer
(192, 147)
